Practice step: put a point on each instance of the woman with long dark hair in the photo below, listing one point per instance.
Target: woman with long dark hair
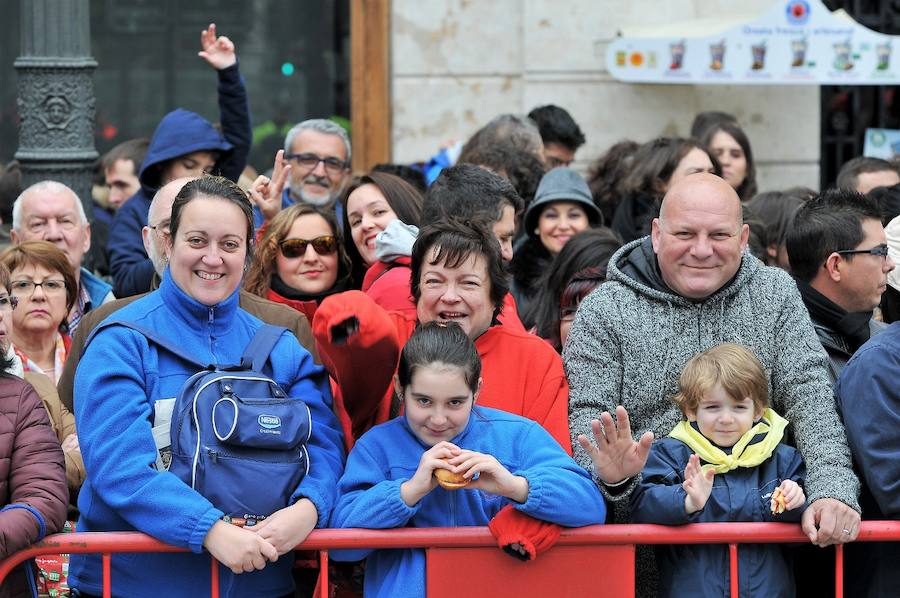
(589, 249)
(656, 166)
(729, 144)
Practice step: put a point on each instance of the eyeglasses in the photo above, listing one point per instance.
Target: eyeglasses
(8, 303)
(162, 227)
(310, 161)
(879, 250)
(324, 245)
(26, 287)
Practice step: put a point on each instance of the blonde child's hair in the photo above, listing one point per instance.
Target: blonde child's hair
(733, 366)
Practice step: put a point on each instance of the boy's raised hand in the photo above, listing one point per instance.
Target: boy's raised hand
(793, 495)
(493, 477)
(698, 485)
(423, 481)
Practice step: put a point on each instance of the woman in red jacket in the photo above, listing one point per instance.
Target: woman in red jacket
(457, 276)
(300, 259)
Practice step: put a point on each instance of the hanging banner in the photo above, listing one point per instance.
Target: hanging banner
(795, 42)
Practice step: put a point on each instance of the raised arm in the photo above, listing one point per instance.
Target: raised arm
(359, 345)
(234, 108)
(593, 361)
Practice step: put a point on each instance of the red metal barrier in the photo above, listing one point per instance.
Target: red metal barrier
(445, 546)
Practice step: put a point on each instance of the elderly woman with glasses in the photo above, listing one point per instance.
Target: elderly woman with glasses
(300, 259)
(42, 282)
(32, 473)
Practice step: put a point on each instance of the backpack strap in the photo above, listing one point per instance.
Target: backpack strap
(151, 336)
(260, 346)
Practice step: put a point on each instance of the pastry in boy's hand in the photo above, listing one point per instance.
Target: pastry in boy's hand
(778, 502)
(449, 480)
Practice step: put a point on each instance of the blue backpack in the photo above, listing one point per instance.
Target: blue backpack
(236, 437)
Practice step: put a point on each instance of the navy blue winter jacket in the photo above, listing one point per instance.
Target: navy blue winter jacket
(868, 399)
(180, 132)
(743, 494)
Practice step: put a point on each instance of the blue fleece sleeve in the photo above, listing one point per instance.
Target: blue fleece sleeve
(659, 498)
(131, 269)
(559, 490)
(869, 399)
(234, 114)
(113, 414)
(326, 443)
(367, 499)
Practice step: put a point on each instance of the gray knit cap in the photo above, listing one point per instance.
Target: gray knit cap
(561, 184)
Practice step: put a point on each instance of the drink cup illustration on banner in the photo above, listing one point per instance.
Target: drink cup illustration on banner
(677, 50)
(798, 51)
(717, 56)
(883, 52)
(842, 60)
(759, 56)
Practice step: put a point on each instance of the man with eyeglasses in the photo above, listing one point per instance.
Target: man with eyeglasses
(50, 211)
(318, 154)
(838, 254)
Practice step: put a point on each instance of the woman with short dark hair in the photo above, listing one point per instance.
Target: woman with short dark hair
(44, 285)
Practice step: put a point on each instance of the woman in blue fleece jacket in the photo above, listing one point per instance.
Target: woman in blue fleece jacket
(118, 385)
(507, 459)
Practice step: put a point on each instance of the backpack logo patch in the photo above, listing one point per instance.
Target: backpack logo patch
(269, 424)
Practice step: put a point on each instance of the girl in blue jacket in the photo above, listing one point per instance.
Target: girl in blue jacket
(731, 431)
(389, 480)
(122, 383)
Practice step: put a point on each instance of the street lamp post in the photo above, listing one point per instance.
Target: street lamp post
(56, 95)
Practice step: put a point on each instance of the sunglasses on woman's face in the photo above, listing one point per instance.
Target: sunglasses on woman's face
(324, 245)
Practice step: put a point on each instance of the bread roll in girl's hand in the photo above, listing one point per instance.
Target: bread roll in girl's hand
(449, 480)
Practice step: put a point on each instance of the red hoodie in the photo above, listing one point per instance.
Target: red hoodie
(522, 373)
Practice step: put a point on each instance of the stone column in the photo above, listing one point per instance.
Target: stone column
(56, 95)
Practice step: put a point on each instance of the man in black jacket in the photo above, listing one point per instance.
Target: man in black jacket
(838, 254)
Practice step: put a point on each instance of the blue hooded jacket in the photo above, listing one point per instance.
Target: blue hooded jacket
(179, 133)
(742, 494)
(120, 378)
(560, 491)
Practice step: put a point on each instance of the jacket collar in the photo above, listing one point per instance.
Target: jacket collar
(632, 259)
(183, 308)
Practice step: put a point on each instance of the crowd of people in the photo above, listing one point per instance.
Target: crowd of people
(661, 341)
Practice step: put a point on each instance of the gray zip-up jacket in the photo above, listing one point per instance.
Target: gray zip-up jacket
(632, 336)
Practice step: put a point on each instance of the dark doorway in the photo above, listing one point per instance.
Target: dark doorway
(847, 111)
